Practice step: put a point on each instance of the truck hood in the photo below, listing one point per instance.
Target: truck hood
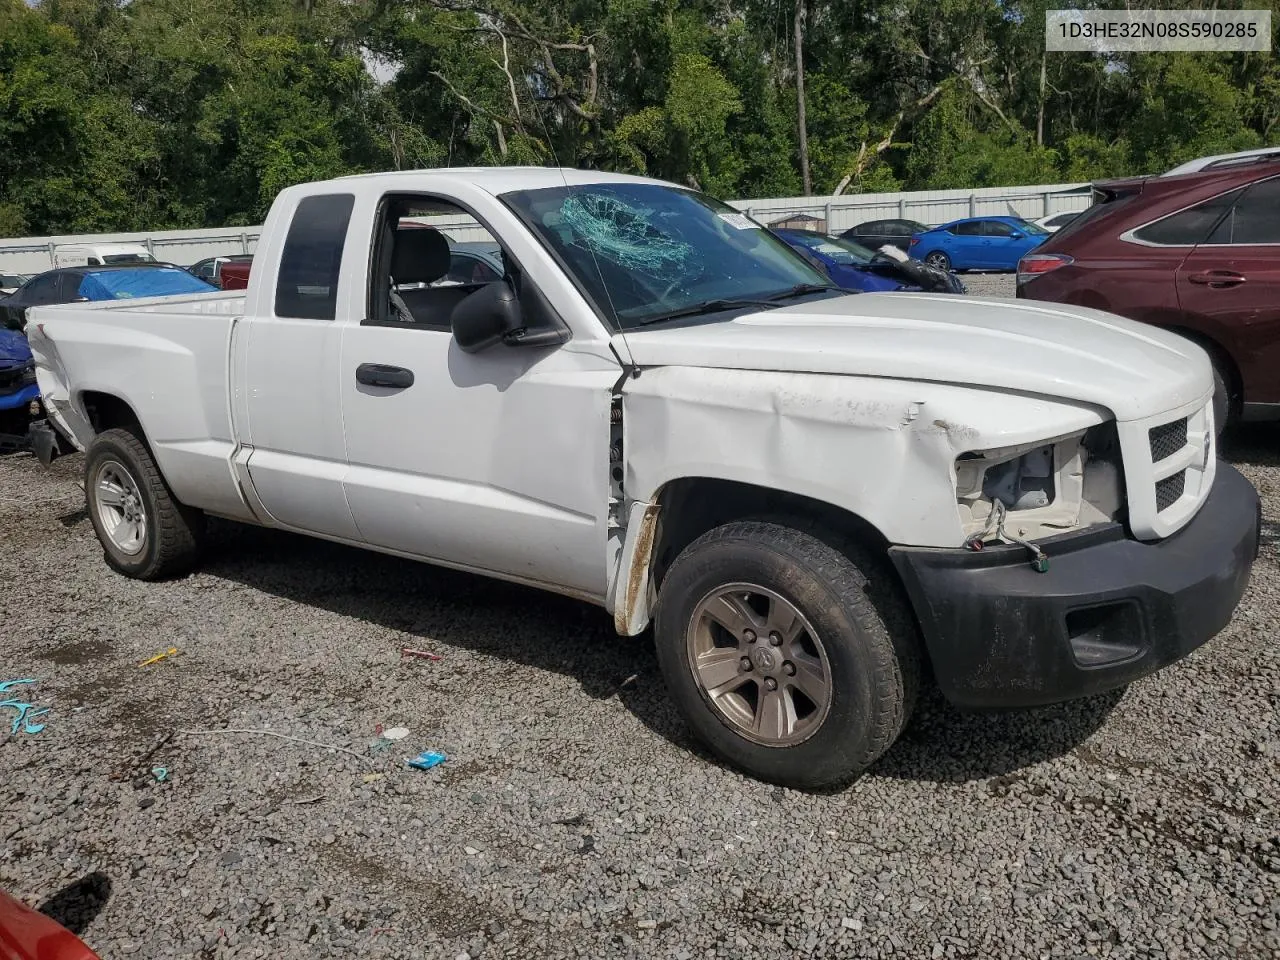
(1073, 353)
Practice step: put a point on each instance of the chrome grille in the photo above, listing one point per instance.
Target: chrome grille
(1170, 489)
(1167, 439)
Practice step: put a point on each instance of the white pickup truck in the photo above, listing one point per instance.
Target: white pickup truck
(646, 401)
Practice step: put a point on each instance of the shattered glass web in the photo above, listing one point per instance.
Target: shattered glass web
(624, 234)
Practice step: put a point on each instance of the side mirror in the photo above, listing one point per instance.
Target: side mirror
(486, 317)
(1016, 235)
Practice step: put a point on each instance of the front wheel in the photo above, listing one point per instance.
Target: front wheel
(792, 660)
(938, 260)
(145, 533)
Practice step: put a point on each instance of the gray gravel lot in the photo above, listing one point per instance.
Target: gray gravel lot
(989, 284)
(573, 816)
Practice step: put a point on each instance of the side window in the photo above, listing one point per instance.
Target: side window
(468, 269)
(430, 255)
(41, 290)
(996, 228)
(902, 228)
(1254, 219)
(307, 286)
(873, 229)
(1187, 227)
(971, 229)
(95, 262)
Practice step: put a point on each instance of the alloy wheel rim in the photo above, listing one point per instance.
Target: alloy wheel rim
(760, 664)
(120, 507)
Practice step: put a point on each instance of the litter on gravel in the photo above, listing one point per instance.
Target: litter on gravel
(426, 760)
(163, 654)
(25, 712)
(272, 733)
(420, 654)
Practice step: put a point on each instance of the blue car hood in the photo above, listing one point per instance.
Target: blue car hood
(854, 278)
(14, 350)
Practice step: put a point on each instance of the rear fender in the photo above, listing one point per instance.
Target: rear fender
(51, 378)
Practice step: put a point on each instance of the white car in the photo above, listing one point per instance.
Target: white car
(10, 282)
(662, 409)
(99, 254)
(1056, 221)
(1224, 160)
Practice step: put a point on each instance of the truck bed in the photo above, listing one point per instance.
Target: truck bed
(150, 352)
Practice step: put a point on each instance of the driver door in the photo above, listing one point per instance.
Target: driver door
(494, 461)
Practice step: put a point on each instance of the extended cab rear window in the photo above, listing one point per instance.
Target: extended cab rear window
(307, 287)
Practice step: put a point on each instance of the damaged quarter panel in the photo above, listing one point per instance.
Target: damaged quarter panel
(170, 365)
(884, 450)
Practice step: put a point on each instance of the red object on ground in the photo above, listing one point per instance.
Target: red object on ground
(421, 654)
(28, 935)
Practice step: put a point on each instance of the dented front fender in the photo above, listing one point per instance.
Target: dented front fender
(881, 449)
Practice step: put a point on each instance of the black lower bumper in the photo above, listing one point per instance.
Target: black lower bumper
(1110, 609)
(44, 440)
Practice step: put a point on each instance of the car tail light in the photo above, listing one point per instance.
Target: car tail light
(1037, 264)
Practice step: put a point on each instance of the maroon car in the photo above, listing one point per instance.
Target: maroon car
(1196, 253)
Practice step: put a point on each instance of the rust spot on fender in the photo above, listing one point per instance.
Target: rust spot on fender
(637, 582)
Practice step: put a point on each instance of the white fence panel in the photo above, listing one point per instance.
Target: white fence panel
(185, 247)
(932, 207)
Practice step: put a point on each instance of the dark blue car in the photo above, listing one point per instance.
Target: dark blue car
(848, 264)
(18, 388)
(855, 267)
(978, 243)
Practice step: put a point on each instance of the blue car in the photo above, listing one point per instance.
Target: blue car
(848, 264)
(18, 389)
(978, 243)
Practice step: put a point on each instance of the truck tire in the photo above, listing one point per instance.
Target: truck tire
(145, 533)
(784, 655)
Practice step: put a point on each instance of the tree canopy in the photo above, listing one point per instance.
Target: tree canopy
(152, 114)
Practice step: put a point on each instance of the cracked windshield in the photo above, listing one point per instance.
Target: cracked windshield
(644, 252)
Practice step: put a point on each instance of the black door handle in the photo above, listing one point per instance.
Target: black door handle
(382, 375)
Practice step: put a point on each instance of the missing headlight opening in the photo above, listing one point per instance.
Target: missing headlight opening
(1043, 489)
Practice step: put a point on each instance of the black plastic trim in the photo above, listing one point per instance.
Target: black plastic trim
(997, 631)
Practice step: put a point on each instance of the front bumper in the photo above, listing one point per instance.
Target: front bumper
(1110, 609)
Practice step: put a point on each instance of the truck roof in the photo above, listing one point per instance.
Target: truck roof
(498, 180)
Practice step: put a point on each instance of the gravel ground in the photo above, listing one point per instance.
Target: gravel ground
(573, 816)
(989, 284)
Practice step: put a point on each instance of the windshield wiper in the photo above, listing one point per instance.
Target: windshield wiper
(706, 306)
(802, 290)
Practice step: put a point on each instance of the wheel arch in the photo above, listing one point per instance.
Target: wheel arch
(1221, 358)
(685, 508)
(105, 411)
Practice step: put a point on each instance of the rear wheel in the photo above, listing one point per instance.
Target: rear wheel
(145, 533)
(778, 657)
(938, 260)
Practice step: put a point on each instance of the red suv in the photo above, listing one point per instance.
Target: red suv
(1197, 253)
